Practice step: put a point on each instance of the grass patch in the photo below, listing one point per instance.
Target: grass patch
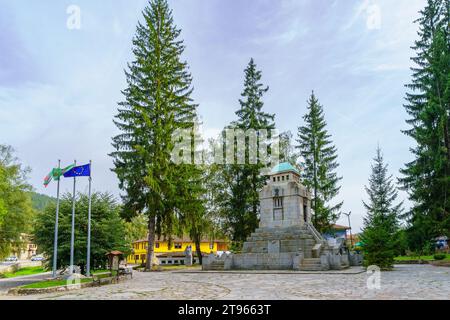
(24, 272)
(100, 274)
(51, 283)
(426, 258)
(99, 271)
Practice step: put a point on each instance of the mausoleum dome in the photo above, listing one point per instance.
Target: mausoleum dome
(284, 167)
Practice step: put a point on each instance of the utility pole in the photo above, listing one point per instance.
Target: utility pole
(55, 241)
(350, 226)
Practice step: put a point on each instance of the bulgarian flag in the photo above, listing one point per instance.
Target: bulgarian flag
(55, 174)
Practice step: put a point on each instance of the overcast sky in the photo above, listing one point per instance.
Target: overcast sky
(59, 87)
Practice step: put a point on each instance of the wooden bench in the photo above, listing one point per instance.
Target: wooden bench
(104, 277)
(125, 272)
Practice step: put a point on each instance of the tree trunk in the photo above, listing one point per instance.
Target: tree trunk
(447, 140)
(198, 249)
(151, 243)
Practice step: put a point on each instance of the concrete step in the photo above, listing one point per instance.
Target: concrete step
(311, 262)
(307, 268)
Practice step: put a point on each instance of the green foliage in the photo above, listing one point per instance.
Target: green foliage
(439, 256)
(427, 177)
(157, 103)
(24, 272)
(41, 201)
(16, 212)
(381, 222)
(319, 162)
(108, 230)
(242, 182)
(136, 228)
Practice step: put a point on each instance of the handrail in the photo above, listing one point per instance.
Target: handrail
(315, 233)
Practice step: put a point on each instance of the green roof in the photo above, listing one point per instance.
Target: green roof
(284, 167)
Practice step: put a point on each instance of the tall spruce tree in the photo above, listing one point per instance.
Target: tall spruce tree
(245, 180)
(427, 177)
(319, 163)
(191, 191)
(157, 102)
(381, 222)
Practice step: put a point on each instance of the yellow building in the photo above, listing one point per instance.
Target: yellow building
(176, 253)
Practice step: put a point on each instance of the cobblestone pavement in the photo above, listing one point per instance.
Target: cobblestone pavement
(405, 282)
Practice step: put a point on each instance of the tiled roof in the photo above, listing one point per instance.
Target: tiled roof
(339, 227)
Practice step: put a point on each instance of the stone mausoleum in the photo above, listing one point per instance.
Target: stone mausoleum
(286, 238)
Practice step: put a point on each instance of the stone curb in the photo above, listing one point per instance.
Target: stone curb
(29, 291)
(411, 262)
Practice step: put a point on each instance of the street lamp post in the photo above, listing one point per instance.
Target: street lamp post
(350, 226)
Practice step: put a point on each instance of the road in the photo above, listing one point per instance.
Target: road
(8, 283)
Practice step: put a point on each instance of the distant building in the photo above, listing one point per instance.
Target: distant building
(176, 253)
(337, 231)
(27, 250)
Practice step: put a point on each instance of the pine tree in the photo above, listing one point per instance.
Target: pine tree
(319, 163)
(191, 194)
(157, 102)
(427, 177)
(245, 180)
(381, 222)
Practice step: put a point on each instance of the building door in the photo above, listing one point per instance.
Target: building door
(305, 213)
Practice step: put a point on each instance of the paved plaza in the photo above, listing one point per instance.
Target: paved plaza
(405, 282)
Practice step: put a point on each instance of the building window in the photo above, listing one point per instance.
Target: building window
(178, 245)
(136, 257)
(274, 179)
(278, 202)
(282, 178)
(211, 245)
(157, 245)
(278, 178)
(287, 177)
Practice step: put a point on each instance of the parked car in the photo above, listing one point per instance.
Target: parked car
(37, 258)
(11, 259)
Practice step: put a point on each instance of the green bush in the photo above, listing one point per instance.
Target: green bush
(439, 256)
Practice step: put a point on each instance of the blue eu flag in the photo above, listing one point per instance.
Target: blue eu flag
(79, 171)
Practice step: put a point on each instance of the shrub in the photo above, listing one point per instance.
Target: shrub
(439, 256)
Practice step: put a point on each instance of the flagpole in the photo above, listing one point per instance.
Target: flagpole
(55, 242)
(88, 260)
(72, 237)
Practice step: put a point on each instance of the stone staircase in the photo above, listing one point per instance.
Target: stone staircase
(291, 239)
(311, 264)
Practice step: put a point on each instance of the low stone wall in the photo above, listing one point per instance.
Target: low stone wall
(440, 263)
(263, 261)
